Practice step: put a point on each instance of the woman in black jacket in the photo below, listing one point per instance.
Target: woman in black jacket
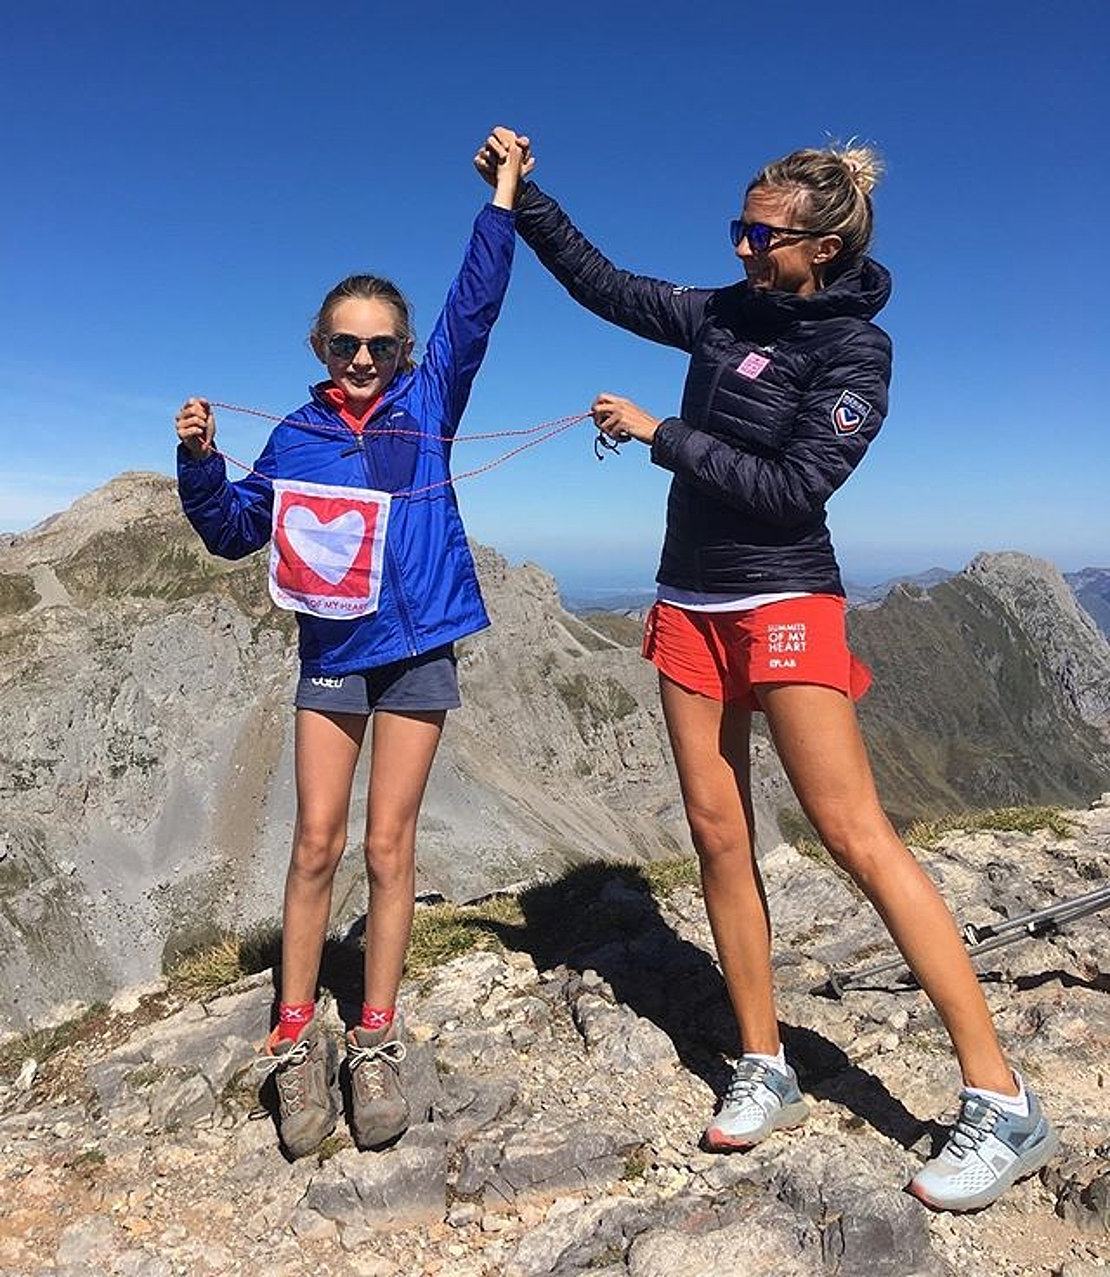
(787, 386)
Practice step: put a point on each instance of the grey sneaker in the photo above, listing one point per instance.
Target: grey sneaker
(306, 1072)
(759, 1100)
(987, 1151)
(379, 1110)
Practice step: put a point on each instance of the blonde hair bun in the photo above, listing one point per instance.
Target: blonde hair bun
(863, 162)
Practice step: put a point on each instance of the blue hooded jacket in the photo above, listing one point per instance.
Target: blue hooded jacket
(429, 594)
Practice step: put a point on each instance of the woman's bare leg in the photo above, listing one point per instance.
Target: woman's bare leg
(817, 735)
(404, 746)
(710, 745)
(326, 751)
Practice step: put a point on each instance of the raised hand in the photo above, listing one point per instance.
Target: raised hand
(196, 427)
(504, 160)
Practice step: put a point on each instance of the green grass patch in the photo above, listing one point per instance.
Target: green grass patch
(794, 826)
(664, 877)
(331, 1145)
(635, 1164)
(43, 1043)
(1023, 820)
(145, 1075)
(813, 849)
(17, 594)
(443, 932)
(207, 969)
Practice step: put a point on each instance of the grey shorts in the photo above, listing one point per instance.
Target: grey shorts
(419, 683)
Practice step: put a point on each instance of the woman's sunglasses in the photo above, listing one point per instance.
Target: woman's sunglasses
(760, 236)
(346, 346)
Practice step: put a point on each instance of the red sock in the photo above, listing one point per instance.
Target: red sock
(292, 1017)
(374, 1018)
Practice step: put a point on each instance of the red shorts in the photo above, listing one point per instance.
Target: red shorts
(726, 655)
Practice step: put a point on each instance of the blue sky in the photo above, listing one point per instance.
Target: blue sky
(183, 185)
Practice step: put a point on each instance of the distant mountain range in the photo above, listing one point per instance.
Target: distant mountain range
(992, 688)
(1090, 585)
(863, 595)
(1092, 589)
(146, 799)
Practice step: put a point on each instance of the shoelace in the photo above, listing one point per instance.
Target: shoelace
(743, 1084)
(289, 1085)
(267, 1064)
(357, 1055)
(976, 1121)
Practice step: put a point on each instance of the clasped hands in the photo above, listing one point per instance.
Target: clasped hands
(620, 419)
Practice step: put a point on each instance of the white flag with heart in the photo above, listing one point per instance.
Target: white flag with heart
(327, 548)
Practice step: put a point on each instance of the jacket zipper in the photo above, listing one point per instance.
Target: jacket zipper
(391, 568)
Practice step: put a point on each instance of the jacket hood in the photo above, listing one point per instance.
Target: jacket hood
(861, 291)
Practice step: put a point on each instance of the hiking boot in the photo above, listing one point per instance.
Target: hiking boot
(759, 1099)
(379, 1110)
(306, 1073)
(987, 1150)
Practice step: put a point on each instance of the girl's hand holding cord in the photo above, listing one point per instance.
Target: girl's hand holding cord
(196, 427)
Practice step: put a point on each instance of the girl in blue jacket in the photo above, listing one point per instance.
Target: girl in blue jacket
(353, 490)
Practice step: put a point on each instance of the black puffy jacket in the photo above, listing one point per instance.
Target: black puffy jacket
(782, 397)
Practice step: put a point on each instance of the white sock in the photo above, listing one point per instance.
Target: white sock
(775, 1061)
(1017, 1104)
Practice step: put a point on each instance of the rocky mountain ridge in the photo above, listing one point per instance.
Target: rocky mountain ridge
(991, 689)
(146, 749)
(145, 738)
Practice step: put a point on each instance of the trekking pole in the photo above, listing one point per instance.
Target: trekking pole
(984, 939)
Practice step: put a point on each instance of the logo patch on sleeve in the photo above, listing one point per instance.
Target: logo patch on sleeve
(849, 413)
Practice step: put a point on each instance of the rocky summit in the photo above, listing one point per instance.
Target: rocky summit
(560, 1078)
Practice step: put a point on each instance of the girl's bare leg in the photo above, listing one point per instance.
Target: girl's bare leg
(325, 753)
(404, 746)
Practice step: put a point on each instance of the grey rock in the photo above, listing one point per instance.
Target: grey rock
(91, 1240)
(617, 1038)
(25, 1079)
(1082, 1190)
(579, 1241)
(178, 1067)
(863, 1225)
(760, 1238)
(1066, 638)
(404, 1184)
(181, 1099)
(467, 1104)
(420, 1081)
(544, 1158)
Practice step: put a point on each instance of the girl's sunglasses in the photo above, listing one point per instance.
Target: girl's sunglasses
(760, 236)
(346, 346)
